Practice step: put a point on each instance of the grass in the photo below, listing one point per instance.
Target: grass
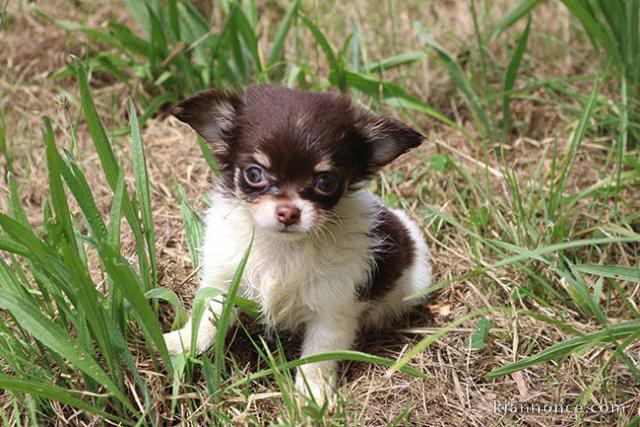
(528, 190)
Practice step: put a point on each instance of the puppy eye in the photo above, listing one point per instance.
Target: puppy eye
(255, 176)
(326, 184)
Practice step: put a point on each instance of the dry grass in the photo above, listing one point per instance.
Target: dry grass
(455, 389)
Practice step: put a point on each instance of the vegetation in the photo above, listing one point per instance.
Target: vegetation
(527, 189)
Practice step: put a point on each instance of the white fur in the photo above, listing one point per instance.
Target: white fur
(263, 215)
(416, 278)
(262, 159)
(324, 165)
(309, 280)
(224, 122)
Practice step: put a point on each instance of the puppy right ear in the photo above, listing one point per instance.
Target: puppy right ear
(213, 114)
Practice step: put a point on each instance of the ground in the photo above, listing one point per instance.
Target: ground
(455, 389)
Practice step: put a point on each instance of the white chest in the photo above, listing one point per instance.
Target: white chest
(292, 280)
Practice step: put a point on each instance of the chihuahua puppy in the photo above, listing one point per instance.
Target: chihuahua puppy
(328, 258)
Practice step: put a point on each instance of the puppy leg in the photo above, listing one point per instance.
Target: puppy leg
(324, 334)
(179, 341)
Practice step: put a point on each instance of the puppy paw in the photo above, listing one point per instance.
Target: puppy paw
(178, 341)
(313, 385)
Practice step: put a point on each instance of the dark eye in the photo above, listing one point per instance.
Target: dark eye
(326, 184)
(255, 176)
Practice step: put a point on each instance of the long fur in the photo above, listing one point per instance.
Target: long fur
(345, 261)
(322, 273)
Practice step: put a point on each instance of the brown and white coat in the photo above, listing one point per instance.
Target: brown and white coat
(328, 258)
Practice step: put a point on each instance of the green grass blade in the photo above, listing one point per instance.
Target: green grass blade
(193, 228)
(159, 50)
(115, 216)
(334, 64)
(277, 46)
(111, 168)
(79, 187)
(442, 331)
(618, 272)
(9, 245)
(246, 33)
(520, 9)
(196, 28)
(234, 46)
(633, 61)
(129, 41)
(222, 325)
(52, 392)
(96, 129)
(250, 9)
(248, 307)
(142, 189)
(150, 110)
(174, 19)
(17, 210)
(171, 297)
(578, 135)
(58, 340)
(510, 78)
(4, 149)
(116, 300)
(4, 13)
(58, 196)
(125, 279)
(206, 153)
(564, 348)
(22, 238)
(580, 294)
(523, 254)
(460, 80)
(479, 337)
(87, 295)
(96, 34)
(395, 61)
(203, 296)
(595, 30)
(393, 95)
(140, 14)
(348, 355)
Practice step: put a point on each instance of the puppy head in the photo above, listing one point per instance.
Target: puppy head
(292, 155)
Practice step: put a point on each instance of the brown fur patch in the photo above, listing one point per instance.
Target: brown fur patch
(393, 257)
(295, 131)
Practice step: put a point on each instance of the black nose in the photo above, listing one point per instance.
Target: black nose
(287, 214)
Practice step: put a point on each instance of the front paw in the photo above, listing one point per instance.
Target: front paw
(178, 341)
(314, 384)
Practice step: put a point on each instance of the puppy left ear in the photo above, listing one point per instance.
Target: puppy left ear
(388, 138)
(213, 114)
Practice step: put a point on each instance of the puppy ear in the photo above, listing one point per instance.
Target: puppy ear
(213, 114)
(387, 137)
